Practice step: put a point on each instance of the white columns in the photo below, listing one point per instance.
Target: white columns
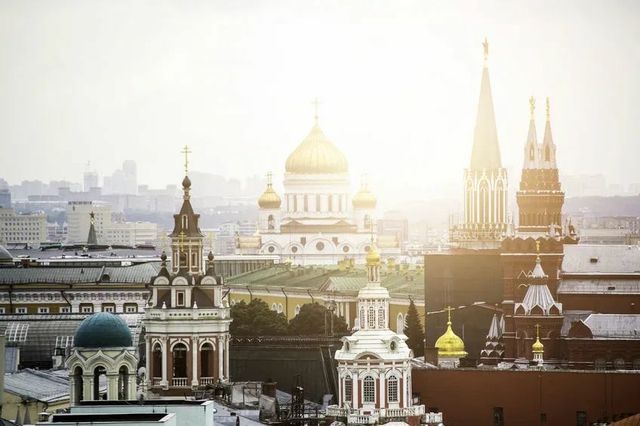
(194, 360)
(226, 358)
(220, 358)
(149, 342)
(356, 392)
(165, 348)
(381, 396)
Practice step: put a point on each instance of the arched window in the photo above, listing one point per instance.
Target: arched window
(532, 154)
(97, 373)
(206, 360)
(78, 384)
(348, 389)
(400, 324)
(600, 364)
(274, 307)
(371, 318)
(271, 223)
(362, 318)
(179, 360)
(392, 389)
(280, 309)
(619, 364)
(369, 390)
(156, 364)
(297, 309)
(484, 202)
(185, 221)
(123, 383)
(381, 318)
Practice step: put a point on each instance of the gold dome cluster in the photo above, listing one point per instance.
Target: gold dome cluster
(449, 344)
(316, 155)
(364, 199)
(269, 198)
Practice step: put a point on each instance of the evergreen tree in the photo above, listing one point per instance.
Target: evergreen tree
(311, 321)
(256, 319)
(414, 331)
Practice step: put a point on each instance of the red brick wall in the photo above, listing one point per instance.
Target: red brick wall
(467, 397)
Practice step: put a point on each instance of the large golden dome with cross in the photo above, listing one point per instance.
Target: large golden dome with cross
(316, 155)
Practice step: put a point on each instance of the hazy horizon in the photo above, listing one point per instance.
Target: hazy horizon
(398, 81)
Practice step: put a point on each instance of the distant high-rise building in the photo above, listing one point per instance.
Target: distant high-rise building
(122, 181)
(79, 219)
(90, 180)
(29, 229)
(5, 198)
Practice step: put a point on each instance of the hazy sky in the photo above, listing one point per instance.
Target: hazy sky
(399, 81)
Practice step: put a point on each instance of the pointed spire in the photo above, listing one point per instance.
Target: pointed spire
(548, 147)
(486, 150)
(531, 149)
(92, 239)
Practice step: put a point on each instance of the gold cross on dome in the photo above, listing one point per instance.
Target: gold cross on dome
(532, 105)
(449, 309)
(186, 151)
(269, 178)
(537, 331)
(181, 236)
(316, 105)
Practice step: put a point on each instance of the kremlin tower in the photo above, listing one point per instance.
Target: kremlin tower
(485, 190)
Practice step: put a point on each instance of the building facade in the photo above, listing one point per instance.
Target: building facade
(22, 229)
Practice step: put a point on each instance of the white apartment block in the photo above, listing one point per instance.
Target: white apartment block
(132, 233)
(17, 228)
(79, 220)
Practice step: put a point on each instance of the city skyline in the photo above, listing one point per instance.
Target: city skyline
(237, 87)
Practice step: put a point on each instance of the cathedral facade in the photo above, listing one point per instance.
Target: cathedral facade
(317, 220)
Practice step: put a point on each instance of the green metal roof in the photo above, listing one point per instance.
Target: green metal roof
(103, 330)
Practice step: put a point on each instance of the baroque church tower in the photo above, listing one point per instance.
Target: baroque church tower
(485, 191)
(374, 363)
(540, 198)
(187, 322)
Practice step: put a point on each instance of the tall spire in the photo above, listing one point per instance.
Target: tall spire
(548, 147)
(486, 151)
(531, 149)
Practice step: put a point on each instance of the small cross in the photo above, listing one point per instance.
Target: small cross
(269, 179)
(537, 331)
(449, 309)
(548, 109)
(181, 236)
(316, 104)
(186, 151)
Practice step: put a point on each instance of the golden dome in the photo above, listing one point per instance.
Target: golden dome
(269, 199)
(537, 347)
(364, 199)
(449, 344)
(373, 257)
(316, 155)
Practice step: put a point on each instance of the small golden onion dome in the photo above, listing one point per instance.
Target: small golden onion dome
(537, 346)
(364, 199)
(316, 155)
(269, 199)
(450, 345)
(373, 257)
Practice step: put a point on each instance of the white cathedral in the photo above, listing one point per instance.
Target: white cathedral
(317, 221)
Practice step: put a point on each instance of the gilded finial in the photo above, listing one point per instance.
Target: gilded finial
(316, 105)
(537, 331)
(269, 179)
(485, 48)
(186, 151)
(449, 309)
(532, 106)
(548, 110)
(537, 246)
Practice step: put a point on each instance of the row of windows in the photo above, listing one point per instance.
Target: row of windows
(84, 296)
(85, 309)
(369, 389)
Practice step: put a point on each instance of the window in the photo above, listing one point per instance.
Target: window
(86, 309)
(108, 308)
(179, 298)
(65, 310)
(581, 418)
(43, 310)
(16, 332)
(320, 246)
(381, 320)
(280, 309)
(21, 310)
(392, 389)
(362, 318)
(348, 389)
(371, 318)
(274, 307)
(297, 309)
(2, 311)
(498, 416)
(369, 390)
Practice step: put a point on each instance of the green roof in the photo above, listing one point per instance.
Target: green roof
(103, 330)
